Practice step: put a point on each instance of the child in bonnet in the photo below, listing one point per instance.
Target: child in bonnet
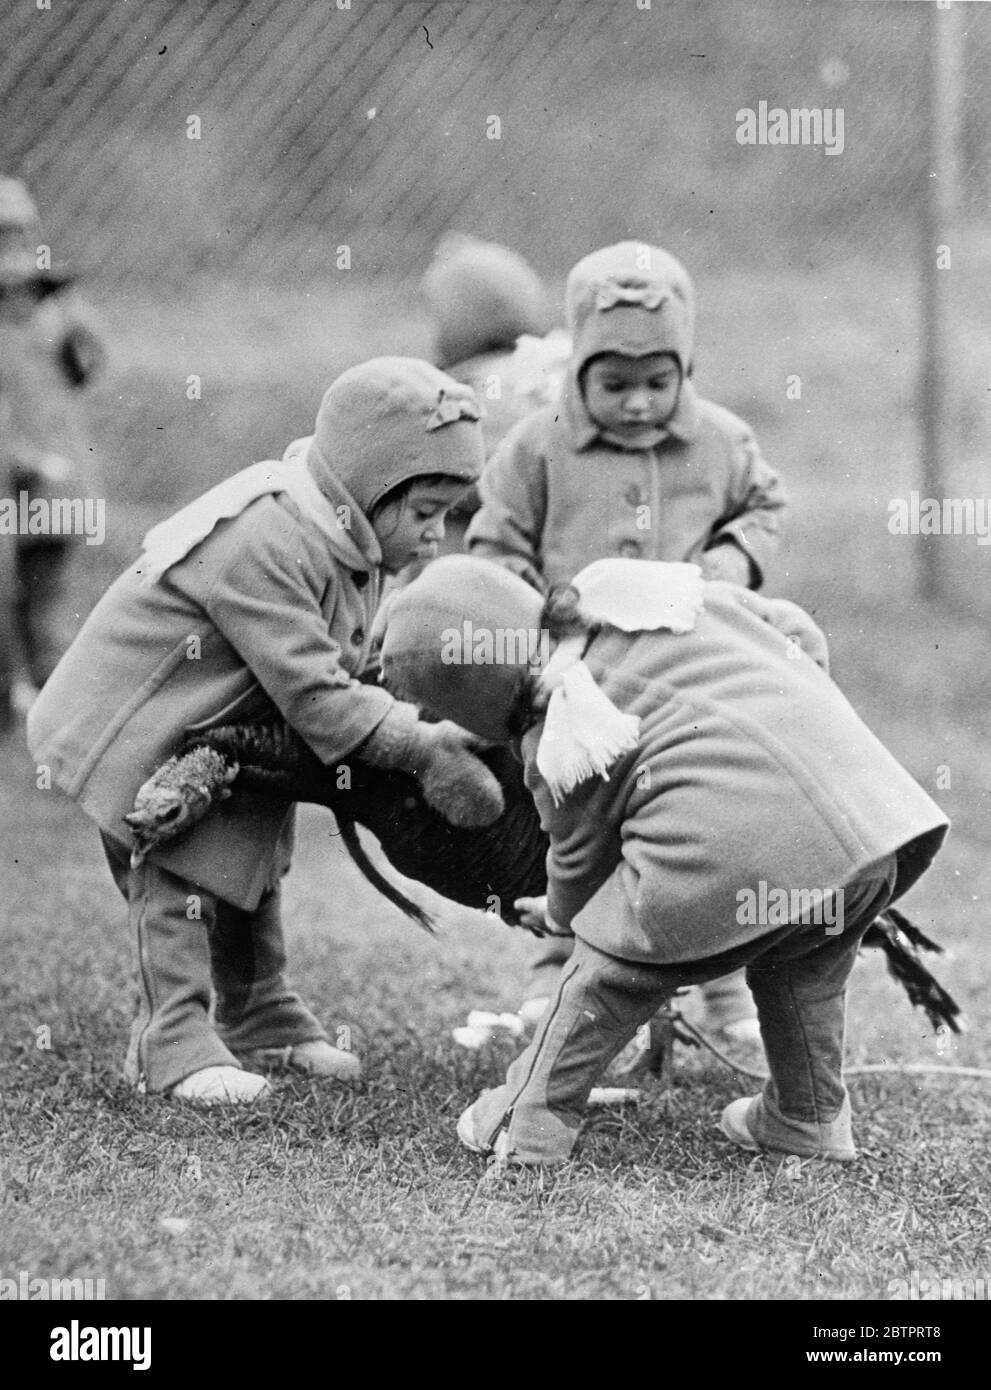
(256, 601)
(689, 756)
(625, 460)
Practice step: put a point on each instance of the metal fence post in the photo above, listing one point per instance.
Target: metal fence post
(938, 213)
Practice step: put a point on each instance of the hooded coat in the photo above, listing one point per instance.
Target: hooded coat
(749, 778)
(558, 494)
(46, 349)
(269, 611)
(753, 779)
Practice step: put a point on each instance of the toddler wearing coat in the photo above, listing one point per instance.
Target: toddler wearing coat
(691, 760)
(630, 462)
(48, 354)
(254, 601)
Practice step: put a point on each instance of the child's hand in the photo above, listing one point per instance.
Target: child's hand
(726, 562)
(454, 780)
(533, 913)
(442, 757)
(533, 916)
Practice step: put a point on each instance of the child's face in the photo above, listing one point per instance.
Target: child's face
(411, 526)
(631, 397)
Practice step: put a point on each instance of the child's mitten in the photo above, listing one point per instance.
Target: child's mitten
(454, 781)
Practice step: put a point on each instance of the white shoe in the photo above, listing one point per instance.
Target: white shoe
(531, 1011)
(466, 1130)
(221, 1086)
(747, 1124)
(744, 1030)
(466, 1133)
(319, 1058)
(315, 1058)
(23, 694)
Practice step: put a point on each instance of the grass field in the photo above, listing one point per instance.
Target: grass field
(328, 1192)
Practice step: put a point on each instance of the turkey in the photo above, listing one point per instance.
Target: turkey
(485, 867)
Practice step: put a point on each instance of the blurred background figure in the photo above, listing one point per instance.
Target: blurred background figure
(47, 354)
(493, 326)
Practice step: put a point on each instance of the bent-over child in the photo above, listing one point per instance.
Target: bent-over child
(256, 599)
(691, 760)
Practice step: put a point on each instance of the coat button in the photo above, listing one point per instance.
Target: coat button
(630, 550)
(633, 495)
(358, 636)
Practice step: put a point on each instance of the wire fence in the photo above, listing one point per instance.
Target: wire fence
(167, 137)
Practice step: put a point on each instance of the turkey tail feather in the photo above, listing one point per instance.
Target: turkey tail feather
(396, 896)
(915, 935)
(901, 940)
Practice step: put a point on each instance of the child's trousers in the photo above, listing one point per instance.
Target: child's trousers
(187, 940)
(42, 564)
(798, 976)
(727, 1000)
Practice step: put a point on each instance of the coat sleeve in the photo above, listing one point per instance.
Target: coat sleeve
(509, 525)
(756, 500)
(584, 848)
(624, 895)
(266, 602)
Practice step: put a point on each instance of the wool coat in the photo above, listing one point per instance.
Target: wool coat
(752, 776)
(267, 615)
(260, 617)
(560, 493)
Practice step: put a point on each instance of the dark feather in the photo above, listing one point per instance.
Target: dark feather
(395, 895)
(901, 942)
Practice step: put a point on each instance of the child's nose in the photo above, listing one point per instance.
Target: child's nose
(434, 530)
(638, 401)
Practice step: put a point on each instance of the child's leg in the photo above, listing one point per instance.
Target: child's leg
(254, 1007)
(546, 967)
(598, 1007)
(800, 989)
(728, 1004)
(42, 568)
(172, 1037)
